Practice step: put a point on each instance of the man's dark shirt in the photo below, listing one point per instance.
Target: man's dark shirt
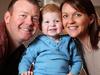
(8, 60)
(10, 66)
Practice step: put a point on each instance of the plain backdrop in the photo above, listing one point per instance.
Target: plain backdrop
(4, 4)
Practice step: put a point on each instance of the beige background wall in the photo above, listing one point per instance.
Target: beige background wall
(4, 5)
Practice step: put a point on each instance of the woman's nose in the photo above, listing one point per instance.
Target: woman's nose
(71, 20)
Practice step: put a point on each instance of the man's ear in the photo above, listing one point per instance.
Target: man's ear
(7, 16)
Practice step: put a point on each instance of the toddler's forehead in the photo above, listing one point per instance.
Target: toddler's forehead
(50, 13)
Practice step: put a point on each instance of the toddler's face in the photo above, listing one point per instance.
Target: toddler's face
(51, 24)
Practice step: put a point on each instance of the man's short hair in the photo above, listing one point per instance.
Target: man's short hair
(35, 2)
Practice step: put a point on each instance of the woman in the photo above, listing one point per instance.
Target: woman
(80, 20)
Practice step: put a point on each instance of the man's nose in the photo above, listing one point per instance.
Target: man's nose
(29, 21)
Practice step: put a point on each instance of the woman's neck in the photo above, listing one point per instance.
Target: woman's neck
(85, 40)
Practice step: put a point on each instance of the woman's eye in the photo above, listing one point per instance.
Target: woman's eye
(78, 14)
(65, 16)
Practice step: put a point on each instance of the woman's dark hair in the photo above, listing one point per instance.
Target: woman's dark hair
(87, 7)
(35, 2)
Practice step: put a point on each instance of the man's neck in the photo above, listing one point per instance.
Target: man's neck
(13, 44)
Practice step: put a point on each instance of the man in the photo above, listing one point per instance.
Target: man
(20, 23)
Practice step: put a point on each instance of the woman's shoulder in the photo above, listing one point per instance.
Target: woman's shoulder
(99, 44)
(68, 39)
(66, 36)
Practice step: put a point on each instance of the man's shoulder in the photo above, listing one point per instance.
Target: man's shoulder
(2, 29)
(2, 26)
(3, 41)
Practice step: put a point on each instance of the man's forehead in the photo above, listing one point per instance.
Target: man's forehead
(24, 4)
(21, 2)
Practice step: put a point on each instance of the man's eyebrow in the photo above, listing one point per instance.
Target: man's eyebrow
(35, 16)
(27, 13)
(24, 12)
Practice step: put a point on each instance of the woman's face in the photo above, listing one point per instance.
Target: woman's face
(74, 21)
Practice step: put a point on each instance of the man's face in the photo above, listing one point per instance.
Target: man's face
(23, 21)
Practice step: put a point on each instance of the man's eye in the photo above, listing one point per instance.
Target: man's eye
(22, 16)
(35, 19)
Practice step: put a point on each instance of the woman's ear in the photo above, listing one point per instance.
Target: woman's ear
(92, 18)
(7, 16)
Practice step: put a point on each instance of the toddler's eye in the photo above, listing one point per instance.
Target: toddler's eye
(46, 21)
(57, 20)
